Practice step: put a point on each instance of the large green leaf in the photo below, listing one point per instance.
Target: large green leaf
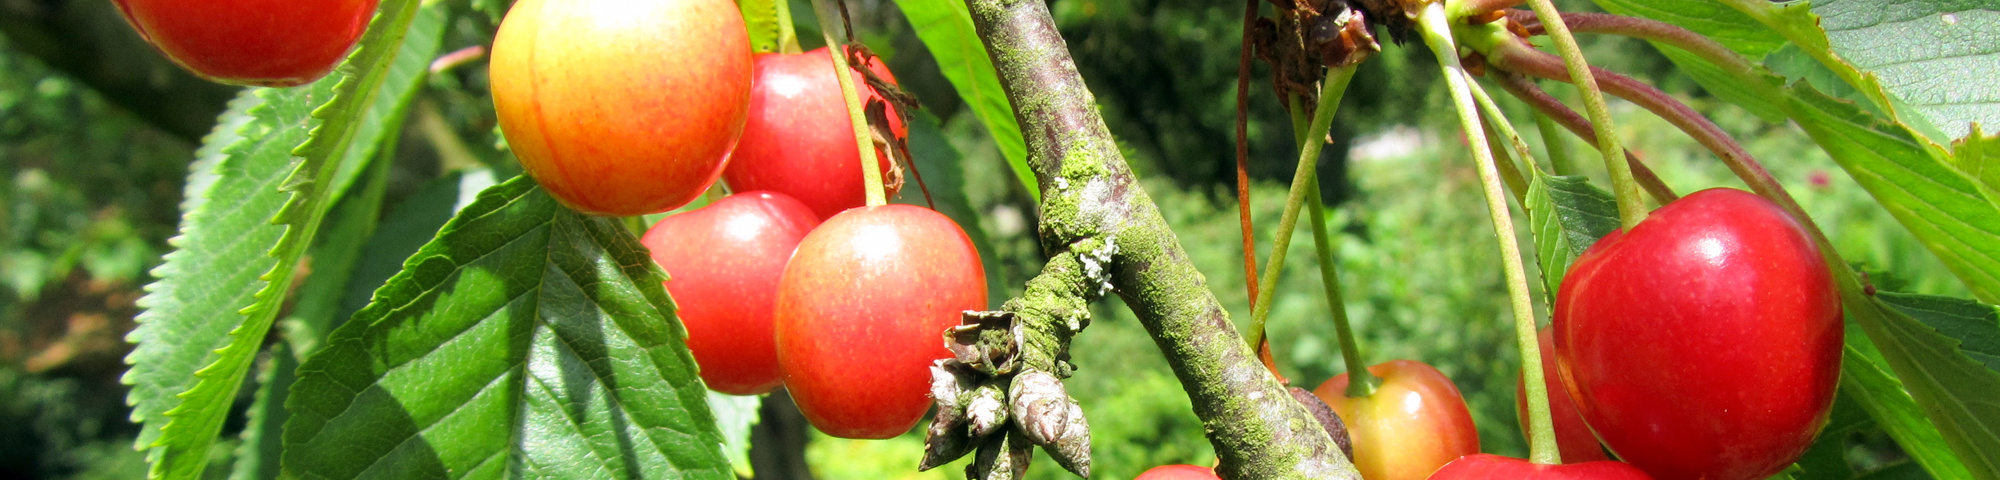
(525, 341)
(317, 302)
(1567, 214)
(258, 208)
(1906, 45)
(946, 28)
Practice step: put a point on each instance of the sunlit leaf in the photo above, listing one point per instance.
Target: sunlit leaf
(946, 28)
(525, 341)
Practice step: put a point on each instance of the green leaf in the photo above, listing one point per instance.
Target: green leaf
(1945, 209)
(1566, 214)
(1976, 326)
(1978, 156)
(1939, 56)
(192, 316)
(761, 18)
(1867, 382)
(1955, 392)
(734, 416)
(525, 341)
(317, 302)
(946, 28)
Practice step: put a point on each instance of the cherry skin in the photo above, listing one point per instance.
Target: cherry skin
(1415, 422)
(273, 43)
(1573, 437)
(622, 107)
(724, 261)
(1494, 467)
(1705, 343)
(862, 311)
(1179, 472)
(799, 140)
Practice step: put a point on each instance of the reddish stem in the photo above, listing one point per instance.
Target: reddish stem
(1518, 57)
(1641, 28)
(1526, 90)
(1243, 155)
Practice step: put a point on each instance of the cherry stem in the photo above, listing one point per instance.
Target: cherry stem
(1644, 29)
(1520, 58)
(1496, 123)
(1558, 150)
(833, 27)
(1553, 110)
(1436, 30)
(1331, 90)
(1360, 383)
(1243, 153)
(1631, 209)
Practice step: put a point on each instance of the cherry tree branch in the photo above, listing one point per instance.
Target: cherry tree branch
(1110, 235)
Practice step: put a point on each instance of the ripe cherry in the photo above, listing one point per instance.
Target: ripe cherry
(1573, 437)
(622, 107)
(273, 43)
(799, 140)
(1179, 472)
(1494, 467)
(1705, 343)
(862, 311)
(1415, 422)
(724, 260)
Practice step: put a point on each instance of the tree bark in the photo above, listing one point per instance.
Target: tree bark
(1094, 208)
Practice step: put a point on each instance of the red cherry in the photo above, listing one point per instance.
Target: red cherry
(1705, 343)
(1415, 422)
(1573, 437)
(862, 311)
(622, 107)
(799, 140)
(1179, 472)
(1494, 467)
(274, 43)
(724, 260)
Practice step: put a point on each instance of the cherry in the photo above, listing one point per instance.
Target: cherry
(724, 260)
(1415, 422)
(622, 107)
(862, 311)
(273, 43)
(1573, 437)
(1179, 472)
(799, 140)
(1705, 343)
(1494, 467)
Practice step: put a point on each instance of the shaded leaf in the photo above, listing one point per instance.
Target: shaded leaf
(1567, 215)
(525, 341)
(1952, 390)
(1865, 381)
(946, 28)
(194, 308)
(317, 302)
(1976, 326)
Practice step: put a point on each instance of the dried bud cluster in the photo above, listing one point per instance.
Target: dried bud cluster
(988, 403)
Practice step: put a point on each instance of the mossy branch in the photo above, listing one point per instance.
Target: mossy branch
(1110, 235)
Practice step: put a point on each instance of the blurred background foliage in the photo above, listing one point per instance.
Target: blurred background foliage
(94, 160)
